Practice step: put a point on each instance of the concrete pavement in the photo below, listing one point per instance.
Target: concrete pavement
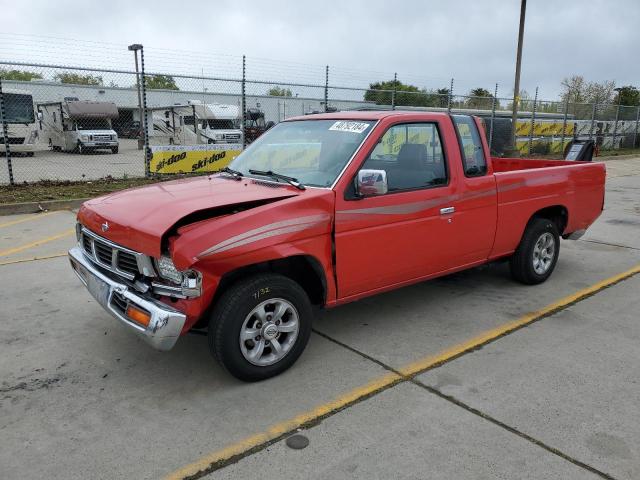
(89, 400)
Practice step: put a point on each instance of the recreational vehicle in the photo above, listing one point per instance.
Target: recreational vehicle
(195, 123)
(79, 125)
(22, 131)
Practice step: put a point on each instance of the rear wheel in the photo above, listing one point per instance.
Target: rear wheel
(260, 326)
(537, 255)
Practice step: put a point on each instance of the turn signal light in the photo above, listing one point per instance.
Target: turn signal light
(139, 316)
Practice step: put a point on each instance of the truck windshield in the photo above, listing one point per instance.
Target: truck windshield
(18, 108)
(93, 124)
(221, 124)
(312, 151)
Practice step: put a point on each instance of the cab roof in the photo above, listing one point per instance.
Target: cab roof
(369, 115)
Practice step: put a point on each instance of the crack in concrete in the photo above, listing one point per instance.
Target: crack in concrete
(32, 385)
(599, 242)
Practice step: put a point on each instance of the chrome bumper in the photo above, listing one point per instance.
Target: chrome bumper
(166, 323)
(99, 144)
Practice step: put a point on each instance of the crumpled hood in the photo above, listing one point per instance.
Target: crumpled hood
(138, 218)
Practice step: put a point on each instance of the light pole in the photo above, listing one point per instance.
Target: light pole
(134, 48)
(516, 86)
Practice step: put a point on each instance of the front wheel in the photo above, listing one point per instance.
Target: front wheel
(114, 149)
(260, 326)
(537, 255)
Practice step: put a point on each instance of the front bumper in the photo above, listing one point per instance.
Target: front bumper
(166, 323)
(100, 144)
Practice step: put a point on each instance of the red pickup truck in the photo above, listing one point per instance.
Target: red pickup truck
(320, 211)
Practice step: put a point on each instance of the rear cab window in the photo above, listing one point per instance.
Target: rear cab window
(473, 159)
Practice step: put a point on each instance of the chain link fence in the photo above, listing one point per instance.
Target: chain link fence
(75, 123)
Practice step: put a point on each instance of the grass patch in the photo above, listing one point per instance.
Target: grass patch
(66, 190)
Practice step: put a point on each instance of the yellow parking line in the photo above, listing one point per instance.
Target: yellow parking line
(25, 260)
(407, 372)
(42, 241)
(35, 216)
(281, 428)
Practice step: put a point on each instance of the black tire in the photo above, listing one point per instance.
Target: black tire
(114, 149)
(522, 261)
(30, 154)
(235, 305)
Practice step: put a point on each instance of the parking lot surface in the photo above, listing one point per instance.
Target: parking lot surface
(47, 164)
(468, 376)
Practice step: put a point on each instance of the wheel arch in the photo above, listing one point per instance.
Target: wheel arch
(558, 214)
(306, 270)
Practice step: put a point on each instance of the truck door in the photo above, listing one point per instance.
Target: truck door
(474, 206)
(404, 234)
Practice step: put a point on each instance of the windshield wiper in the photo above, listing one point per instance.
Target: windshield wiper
(279, 176)
(237, 175)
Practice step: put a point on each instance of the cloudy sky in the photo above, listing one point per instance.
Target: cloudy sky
(426, 42)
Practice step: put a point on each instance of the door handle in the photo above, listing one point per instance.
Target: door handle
(447, 210)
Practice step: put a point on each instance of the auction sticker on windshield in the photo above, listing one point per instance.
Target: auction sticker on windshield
(353, 127)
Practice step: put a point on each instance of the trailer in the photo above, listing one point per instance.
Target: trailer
(195, 123)
(22, 129)
(78, 125)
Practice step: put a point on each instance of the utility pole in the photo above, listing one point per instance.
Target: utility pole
(134, 48)
(516, 85)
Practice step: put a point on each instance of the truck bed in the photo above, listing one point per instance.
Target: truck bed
(501, 164)
(525, 186)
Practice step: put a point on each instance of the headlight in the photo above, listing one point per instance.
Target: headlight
(168, 270)
(84, 138)
(189, 281)
(218, 136)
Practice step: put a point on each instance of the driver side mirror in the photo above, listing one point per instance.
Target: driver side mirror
(370, 183)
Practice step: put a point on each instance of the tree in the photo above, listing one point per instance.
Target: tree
(161, 82)
(382, 92)
(405, 95)
(19, 75)
(481, 98)
(78, 79)
(628, 95)
(279, 92)
(576, 89)
(441, 96)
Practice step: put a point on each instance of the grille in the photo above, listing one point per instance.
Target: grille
(127, 263)
(112, 257)
(119, 302)
(234, 137)
(86, 244)
(103, 252)
(13, 140)
(268, 184)
(102, 137)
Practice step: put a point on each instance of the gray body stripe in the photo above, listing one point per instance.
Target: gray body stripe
(415, 207)
(259, 233)
(271, 233)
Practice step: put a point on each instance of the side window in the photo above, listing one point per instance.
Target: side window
(412, 156)
(473, 159)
